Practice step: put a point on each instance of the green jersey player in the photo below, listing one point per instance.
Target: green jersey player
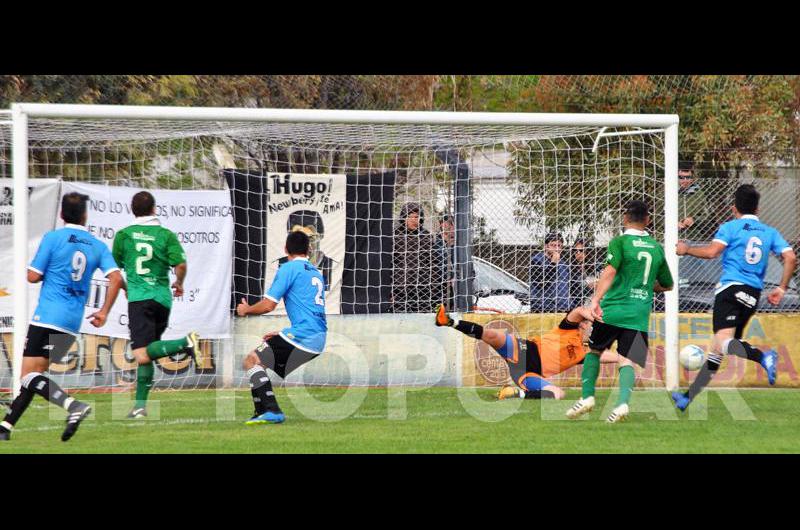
(636, 267)
(146, 251)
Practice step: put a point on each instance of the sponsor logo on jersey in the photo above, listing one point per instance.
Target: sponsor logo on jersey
(143, 236)
(639, 294)
(749, 228)
(642, 244)
(75, 239)
(571, 351)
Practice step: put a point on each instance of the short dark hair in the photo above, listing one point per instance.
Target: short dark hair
(73, 207)
(746, 199)
(143, 203)
(685, 165)
(637, 211)
(446, 218)
(553, 236)
(297, 243)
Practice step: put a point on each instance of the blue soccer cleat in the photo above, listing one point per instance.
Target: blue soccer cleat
(267, 417)
(770, 363)
(681, 400)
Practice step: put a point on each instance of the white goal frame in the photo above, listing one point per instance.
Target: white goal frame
(21, 112)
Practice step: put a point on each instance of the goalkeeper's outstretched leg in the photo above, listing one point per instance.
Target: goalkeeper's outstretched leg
(531, 361)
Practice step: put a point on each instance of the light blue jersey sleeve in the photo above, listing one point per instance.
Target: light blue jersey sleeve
(280, 284)
(42, 258)
(724, 234)
(779, 244)
(107, 262)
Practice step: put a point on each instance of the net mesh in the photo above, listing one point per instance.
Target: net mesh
(487, 197)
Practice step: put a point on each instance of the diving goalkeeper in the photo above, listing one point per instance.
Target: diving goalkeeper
(531, 361)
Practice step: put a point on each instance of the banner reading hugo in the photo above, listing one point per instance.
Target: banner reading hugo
(314, 204)
(203, 223)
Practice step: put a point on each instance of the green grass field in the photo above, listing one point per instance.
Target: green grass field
(431, 421)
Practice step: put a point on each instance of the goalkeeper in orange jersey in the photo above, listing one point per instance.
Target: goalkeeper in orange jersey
(531, 361)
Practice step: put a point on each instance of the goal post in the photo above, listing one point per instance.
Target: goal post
(552, 151)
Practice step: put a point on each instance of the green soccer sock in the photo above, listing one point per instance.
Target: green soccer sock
(163, 348)
(144, 380)
(591, 369)
(627, 378)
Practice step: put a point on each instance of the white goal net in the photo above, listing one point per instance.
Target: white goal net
(507, 223)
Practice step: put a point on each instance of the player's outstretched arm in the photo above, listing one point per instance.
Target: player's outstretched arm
(115, 283)
(711, 251)
(789, 263)
(579, 314)
(264, 306)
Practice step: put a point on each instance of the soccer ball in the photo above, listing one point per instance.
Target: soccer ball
(692, 357)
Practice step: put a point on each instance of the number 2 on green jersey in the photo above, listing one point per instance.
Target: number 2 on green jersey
(148, 255)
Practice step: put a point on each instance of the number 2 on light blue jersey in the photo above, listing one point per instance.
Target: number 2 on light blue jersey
(316, 282)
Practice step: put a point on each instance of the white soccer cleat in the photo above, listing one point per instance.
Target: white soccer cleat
(580, 408)
(619, 414)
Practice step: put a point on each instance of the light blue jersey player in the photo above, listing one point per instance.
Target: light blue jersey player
(744, 244)
(65, 262)
(302, 287)
(747, 243)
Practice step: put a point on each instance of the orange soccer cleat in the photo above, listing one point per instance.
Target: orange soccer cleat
(442, 318)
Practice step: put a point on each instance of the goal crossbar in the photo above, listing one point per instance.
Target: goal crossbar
(47, 110)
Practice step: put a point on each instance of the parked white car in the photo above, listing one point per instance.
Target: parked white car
(497, 291)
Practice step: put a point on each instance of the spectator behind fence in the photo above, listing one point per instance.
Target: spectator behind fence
(418, 274)
(582, 276)
(446, 246)
(550, 277)
(693, 211)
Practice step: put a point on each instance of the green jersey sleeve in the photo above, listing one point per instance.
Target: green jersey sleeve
(175, 253)
(118, 250)
(614, 257)
(664, 276)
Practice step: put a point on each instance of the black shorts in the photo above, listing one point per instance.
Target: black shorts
(147, 321)
(46, 342)
(631, 343)
(527, 361)
(281, 357)
(734, 307)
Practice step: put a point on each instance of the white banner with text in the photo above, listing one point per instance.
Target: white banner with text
(203, 222)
